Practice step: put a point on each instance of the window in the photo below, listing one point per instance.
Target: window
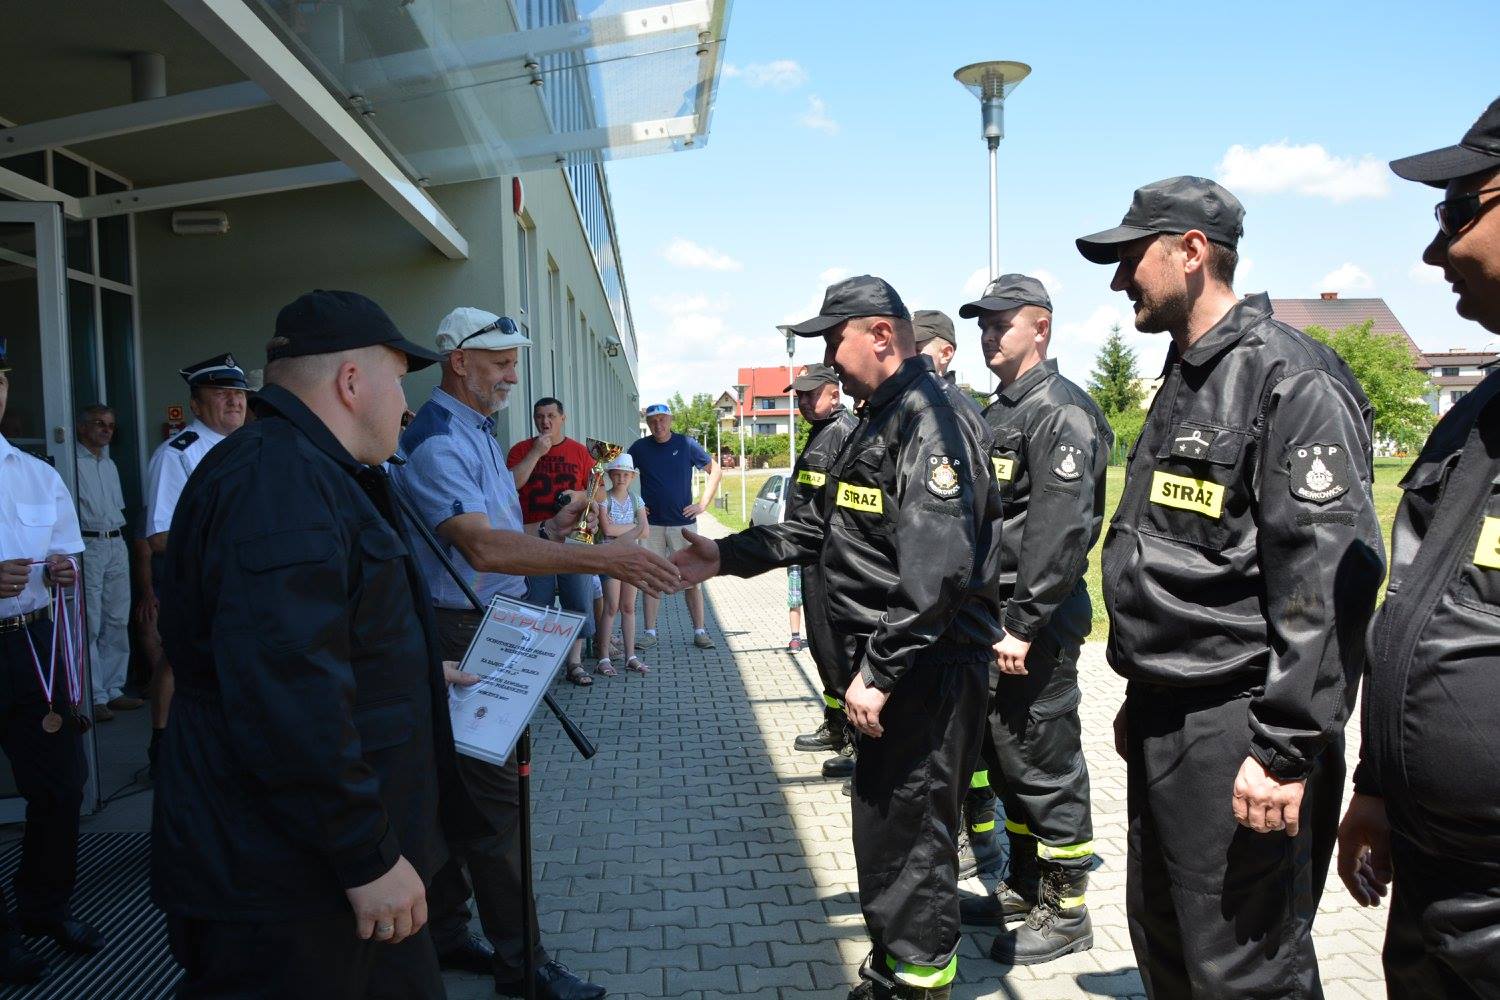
(1457, 394)
(763, 429)
(1450, 372)
(771, 490)
(767, 403)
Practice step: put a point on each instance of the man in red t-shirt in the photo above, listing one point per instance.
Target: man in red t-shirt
(544, 466)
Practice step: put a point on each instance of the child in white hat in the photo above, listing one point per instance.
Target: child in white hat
(622, 515)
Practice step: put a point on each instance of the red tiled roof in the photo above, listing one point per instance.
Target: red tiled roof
(765, 382)
(1334, 314)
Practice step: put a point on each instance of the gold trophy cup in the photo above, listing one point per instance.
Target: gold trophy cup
(603, 453)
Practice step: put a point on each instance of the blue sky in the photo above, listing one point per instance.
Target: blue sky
(841, 144)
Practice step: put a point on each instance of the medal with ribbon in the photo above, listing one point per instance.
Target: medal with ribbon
(67, 633)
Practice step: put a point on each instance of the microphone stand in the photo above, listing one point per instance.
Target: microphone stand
(586, 749)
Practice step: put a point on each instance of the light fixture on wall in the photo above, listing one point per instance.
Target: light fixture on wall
(200, 223)
(612, 347)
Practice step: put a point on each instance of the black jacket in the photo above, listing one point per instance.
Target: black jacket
(831, 651)
(1052, 447)
(309, 745)
(1245, 551)
(1432, 695)
(907, 533)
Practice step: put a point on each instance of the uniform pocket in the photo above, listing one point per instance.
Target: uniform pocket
(1192, 498)
(382, 602)
(384, 724)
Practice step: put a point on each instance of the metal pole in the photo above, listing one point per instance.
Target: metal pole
(791, 416)
(994, 211)
(743, 515)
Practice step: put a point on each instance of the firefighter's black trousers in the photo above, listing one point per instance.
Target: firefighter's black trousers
(908, 789)
(1215, 909)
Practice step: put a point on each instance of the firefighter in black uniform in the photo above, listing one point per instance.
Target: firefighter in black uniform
(907, 536)
(817, 388)
(1240, 572)
(1426, 807)
(1051, 440)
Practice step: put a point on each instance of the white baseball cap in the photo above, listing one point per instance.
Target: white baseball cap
(478, 330)
(622, 463)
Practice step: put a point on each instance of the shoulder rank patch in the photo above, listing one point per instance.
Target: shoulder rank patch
(1067, 462)
(1319, 472)
(183, 440)
(1193, 443)
(942, 477)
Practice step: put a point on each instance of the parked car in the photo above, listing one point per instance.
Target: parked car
(770, 502)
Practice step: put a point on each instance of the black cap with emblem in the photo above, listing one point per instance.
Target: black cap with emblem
(1009, 291)
(812, 377)
(1175, 205)
(1477, 151)
(220, 370)
(4, 364)
(325, 322)
(853, 298)
(932, 324)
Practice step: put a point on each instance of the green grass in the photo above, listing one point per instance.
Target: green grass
(1388, 472)
(729, 487)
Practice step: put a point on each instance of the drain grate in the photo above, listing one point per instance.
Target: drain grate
(114, 895)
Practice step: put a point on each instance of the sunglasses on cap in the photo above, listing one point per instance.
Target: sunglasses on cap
(504, 324)
(1454, 214)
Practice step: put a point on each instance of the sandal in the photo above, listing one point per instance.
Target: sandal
(636, 664)
(578, 675)
(605, 668)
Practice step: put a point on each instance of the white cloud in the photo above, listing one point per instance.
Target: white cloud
(778, 74)
(1050, 281)
(816, 116)
(1347, 277)
(1245, 266)
(1308, 169)
(685, 253)
(975, 283)
(814, 302)
(1425, 274)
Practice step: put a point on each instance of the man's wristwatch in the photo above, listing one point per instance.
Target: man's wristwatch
(541, 531)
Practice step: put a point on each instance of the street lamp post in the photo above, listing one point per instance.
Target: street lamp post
(992, 83)
(740, 393)
(791, 405)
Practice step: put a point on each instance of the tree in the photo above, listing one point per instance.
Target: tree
(1395, 386)
(695, 419)
(1114, 383)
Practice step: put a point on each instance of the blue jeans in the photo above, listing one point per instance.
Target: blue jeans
(575, 589)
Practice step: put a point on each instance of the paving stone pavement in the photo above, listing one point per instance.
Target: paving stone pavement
(699, 856)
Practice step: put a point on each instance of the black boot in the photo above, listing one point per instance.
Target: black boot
(979, 853)
(877, 984)
(841, 766)
(820, 740)
(1058, 925)
(1014, 896)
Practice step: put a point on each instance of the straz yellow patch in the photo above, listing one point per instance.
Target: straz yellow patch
(865, 498)
(1201, 496)
(1487, 552)
(807, 477)
(1005, 468)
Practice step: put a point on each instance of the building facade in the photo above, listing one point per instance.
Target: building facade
(172, 172)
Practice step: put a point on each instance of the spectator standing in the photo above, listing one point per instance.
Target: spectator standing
(622, 518)
(106, 563)
(217, 389)
(543, 467)
(937, 339)
(38, 534)
(666, 461)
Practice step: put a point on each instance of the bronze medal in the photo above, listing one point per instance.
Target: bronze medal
(51, 722)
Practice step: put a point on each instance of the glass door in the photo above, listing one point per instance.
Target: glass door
(39, 415)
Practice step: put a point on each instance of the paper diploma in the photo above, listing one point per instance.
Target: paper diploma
(516, 653)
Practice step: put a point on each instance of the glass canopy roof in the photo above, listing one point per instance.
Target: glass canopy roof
(467, 89)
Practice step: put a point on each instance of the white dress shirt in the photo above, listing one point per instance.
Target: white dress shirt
(171, 464)
(101, 502)
(37, 520)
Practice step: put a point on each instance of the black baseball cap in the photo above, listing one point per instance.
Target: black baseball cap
(1174, 205)
(930, 323)
(4, 364)
(1477, 151)
(1009, 291)
(323, 322)
(813, 376)
(852, 298)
